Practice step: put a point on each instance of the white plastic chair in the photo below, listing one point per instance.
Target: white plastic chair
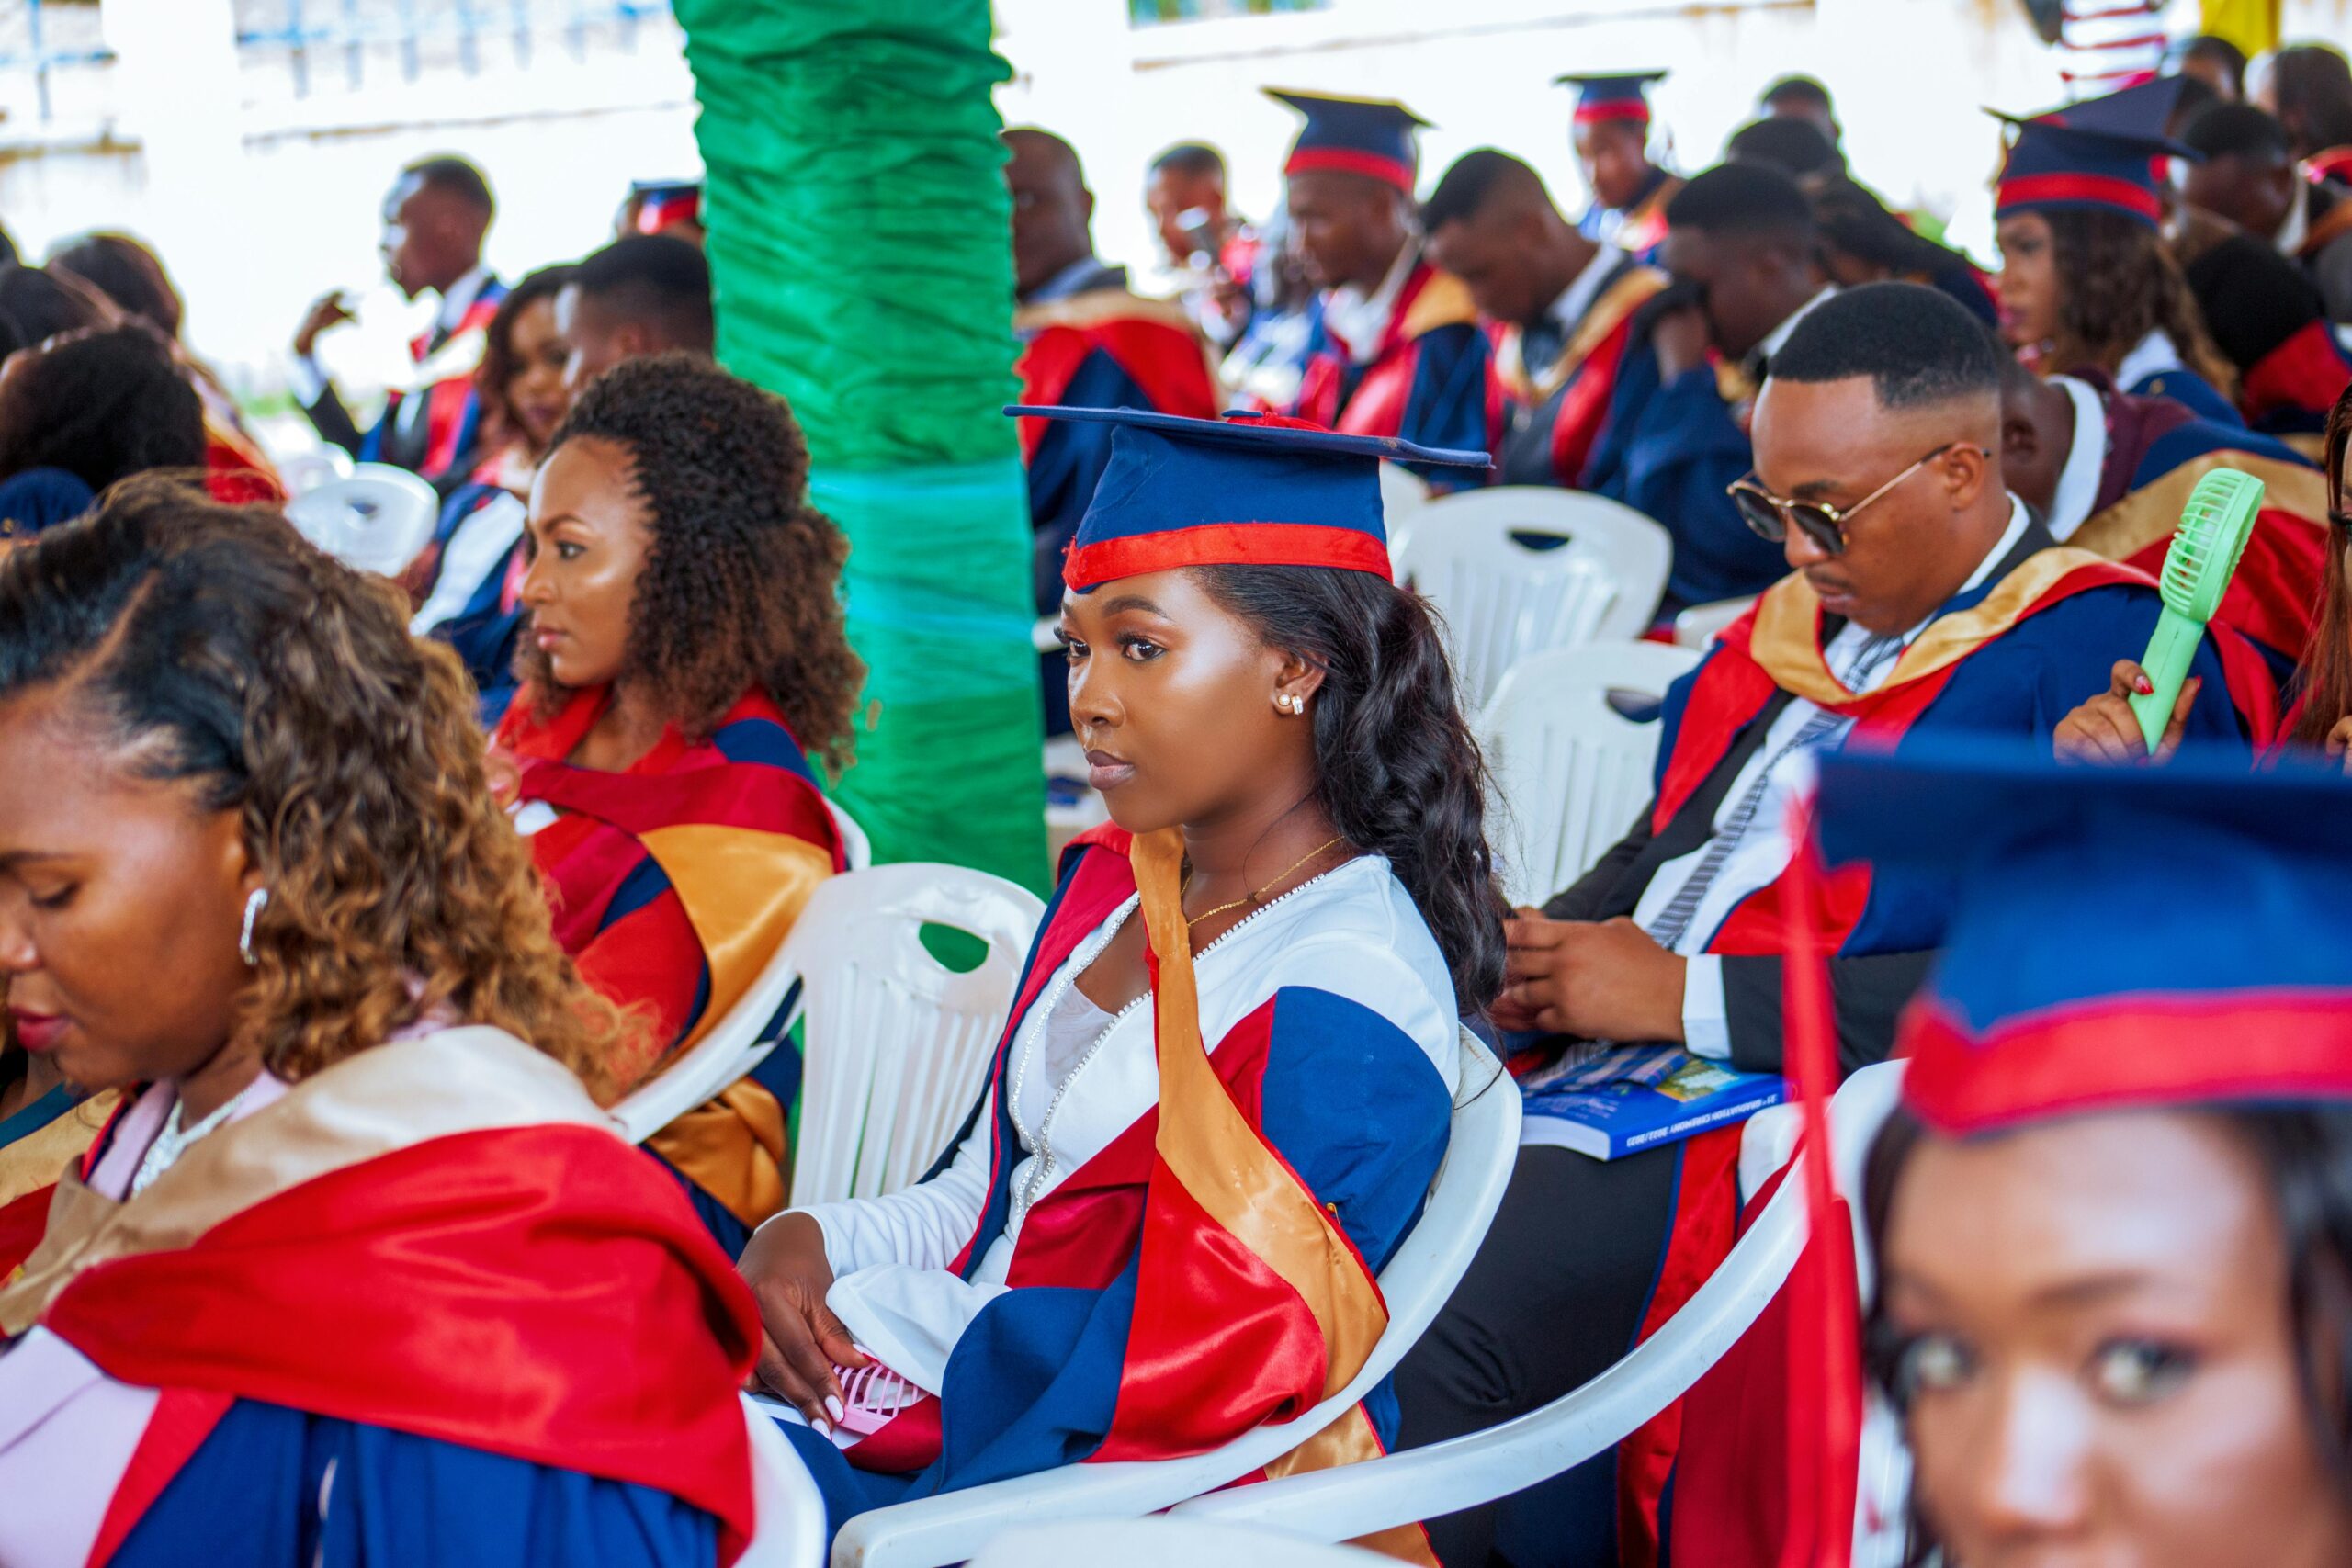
(897, 1042)
(375, 520)
(1444, 1478)
(306, 471)
(1699, 626)
(787, 1511)
(1503, 601)
(1162, 1543)
(856, 848)
(1484, 1144)
(1570, 772)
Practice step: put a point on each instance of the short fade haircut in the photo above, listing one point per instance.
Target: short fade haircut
(1797, 89)
(1745, 199)
(1919, 346)
(456, 175)
(2221, 52)
(1795, 147)
(1470, 183)
(1194, 160)
(653, 277)
(2237, 130)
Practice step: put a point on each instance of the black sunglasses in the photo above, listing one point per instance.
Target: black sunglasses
(1773, 515)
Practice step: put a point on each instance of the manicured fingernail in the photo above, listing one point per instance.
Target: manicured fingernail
(834, 1403)
(824, 1428)
(2143, 687)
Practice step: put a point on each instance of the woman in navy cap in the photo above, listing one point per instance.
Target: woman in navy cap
(2112, 1219)
(1232, 1061)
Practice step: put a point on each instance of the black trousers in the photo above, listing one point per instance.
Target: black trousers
(1555, 1294)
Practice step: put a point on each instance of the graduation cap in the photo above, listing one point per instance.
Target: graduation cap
(1621, 95)
(662, 205)
(1248, 490)
(1353, 136)
(2104, 154)
(2122, 937)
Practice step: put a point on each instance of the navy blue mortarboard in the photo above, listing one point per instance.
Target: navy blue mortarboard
(2100, 156)
(1243, 490)
(1621, 95)
(2120, 937)
(1354, 136)
(662, 205)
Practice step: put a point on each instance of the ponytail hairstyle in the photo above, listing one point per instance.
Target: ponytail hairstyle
(1397, 768)
(2121, 285)
(2324, 682)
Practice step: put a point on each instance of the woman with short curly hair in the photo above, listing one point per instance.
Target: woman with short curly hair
(683, 660)
(251, 874)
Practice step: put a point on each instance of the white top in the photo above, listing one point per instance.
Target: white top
(1079, 1078)
(2152, 356)
(1358, 321)
(1777, 338)
(2070, 508)
(479, 547)
(1764, 848)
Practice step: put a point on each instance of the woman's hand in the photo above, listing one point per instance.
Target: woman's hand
(2105, 729)
(801, 1341)
(2339, 742)
(503, 774)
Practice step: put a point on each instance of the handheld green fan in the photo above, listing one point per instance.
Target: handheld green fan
(2214, 528)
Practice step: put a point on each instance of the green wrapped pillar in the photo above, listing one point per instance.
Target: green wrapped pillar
(858, 239)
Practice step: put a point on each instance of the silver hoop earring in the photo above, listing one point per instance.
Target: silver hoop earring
(259, 897)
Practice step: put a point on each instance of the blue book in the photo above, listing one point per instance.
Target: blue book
(1609, 1102)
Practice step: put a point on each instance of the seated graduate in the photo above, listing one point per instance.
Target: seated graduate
(1610, 136)
(2108, 1217)
(1740, 244)
(2109, 471)
(2319, 694)
(466, 580)
(362, 1275)
(1862, 241)
(682, 663)
(1296, 882)
(1557, 307)
(2085, 279)
(1925, 602)
(83, 410)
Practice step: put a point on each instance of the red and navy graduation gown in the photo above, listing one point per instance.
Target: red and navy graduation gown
(1426, 382)
(2010, 657)
(1137, 1325)
(1641, 232)
(2156, 453)
(435, 425)
(672, 881)
(392, 1330)
(1551, 415)
(1670, 452)
(2267, 318)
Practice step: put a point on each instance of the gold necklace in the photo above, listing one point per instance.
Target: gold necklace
(1260, 893)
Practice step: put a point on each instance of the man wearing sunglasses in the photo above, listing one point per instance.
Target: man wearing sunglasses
(1923, 599)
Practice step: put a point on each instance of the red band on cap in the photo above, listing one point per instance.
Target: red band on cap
(1225, 544)
(2101, 190)
(1341, 160)
(2122, 1052)
(1594, 114)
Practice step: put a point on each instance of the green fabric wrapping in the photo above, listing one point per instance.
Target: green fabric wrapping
(858, 224)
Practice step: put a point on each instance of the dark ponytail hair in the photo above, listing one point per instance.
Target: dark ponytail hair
(1397, 768)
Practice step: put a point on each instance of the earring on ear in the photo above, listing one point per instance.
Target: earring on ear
(1285, 702)
(254, 903)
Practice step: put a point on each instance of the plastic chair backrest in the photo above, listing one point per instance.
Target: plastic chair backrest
(376, 520)
(856, 848)
(1570, 772)
(306, 471)
(897, 1044)
(1425, 1483)
(788, 1512)
(1503, 599)
(1697, 627)
(1482, 1147)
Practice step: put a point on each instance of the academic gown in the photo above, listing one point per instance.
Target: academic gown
(2010, 657)
(2268, 319)
(433, 427)
(1093, 1302)
(673, 880)
(425, 1307)
(36, 1144)
(2156, 452)
(1638, 230)
(1552, 400)
(1100, 346)
(471, 578)
(1424, 380)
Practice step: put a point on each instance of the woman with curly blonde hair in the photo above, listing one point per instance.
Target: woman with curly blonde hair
(683, 659)
(362, 1272)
